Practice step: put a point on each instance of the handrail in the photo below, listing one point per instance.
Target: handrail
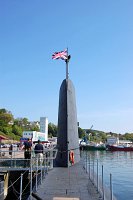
(6, 153)
(92, 168)
(17, 161)
(39, 171)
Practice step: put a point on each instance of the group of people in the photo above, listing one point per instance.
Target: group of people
(38, 149)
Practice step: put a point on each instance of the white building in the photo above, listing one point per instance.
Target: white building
(44, 126)
(112, 140)
(35, 136)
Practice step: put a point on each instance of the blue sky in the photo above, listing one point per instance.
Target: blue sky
(99, 36)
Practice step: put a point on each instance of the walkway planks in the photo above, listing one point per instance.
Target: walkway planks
(67, 184)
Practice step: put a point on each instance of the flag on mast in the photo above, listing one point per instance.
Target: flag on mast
(60, 55)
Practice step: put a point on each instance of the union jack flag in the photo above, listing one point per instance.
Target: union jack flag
(62, 54)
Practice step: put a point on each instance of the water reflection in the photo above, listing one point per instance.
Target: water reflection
(120, 165)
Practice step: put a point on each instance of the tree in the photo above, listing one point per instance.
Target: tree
(52, 130)
(129, 136)
(7, 130)
(103, 137)
(34, 128)
(3, 110)
(17, 130)
(81, 132)
(6, 120)
(23, 123)
(5, 117)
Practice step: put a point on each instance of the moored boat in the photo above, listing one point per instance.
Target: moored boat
(119, 148)
(92, 147)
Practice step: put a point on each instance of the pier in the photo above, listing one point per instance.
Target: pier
(68, 184)
(42, 181)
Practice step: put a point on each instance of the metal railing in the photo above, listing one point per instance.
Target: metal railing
(96, 175)
(14, 160)
(36, 168)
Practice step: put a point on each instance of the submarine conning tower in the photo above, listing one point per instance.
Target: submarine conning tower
(67, 136)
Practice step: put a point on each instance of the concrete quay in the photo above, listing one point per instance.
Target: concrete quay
(67, 184)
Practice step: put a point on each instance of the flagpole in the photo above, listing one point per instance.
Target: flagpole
(67, 70)
(67, 144)
(67, 66)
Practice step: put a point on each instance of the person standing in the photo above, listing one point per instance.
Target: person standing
(10, 150)
(27, 150)
(39, 151)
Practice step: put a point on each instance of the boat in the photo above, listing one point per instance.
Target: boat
(92, 147)
(119, 147)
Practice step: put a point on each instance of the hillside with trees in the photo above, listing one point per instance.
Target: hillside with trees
(12, 128)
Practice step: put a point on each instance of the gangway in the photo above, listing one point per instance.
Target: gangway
(19, 173)
(17, 162)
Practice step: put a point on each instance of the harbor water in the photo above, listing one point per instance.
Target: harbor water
(120, 165)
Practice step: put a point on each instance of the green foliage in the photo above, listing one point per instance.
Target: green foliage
(34, 128)
(5, 118)
(3, 110)
(128, 136)
(52, 130)
(81, 132)
(103, 137)
(7, 129)
(25, 124)
(1, 133)
(17, 130)
(13, 128)
(50, 135)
